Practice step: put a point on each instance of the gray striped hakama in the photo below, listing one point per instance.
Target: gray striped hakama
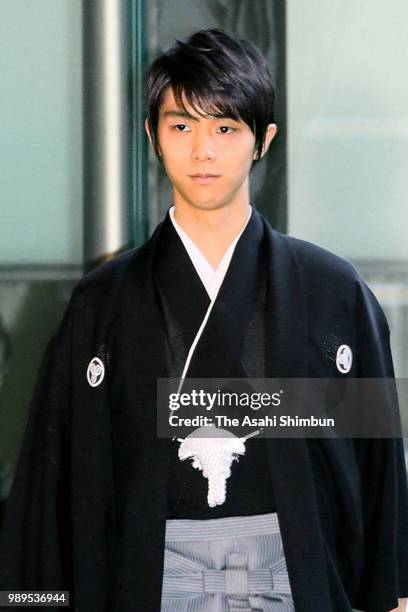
(231, 564)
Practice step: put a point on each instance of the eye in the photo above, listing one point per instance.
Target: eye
(228, 128)
(183, 125)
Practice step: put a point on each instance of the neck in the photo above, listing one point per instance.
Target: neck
(212, 230)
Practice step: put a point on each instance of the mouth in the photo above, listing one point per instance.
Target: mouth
(204, 179)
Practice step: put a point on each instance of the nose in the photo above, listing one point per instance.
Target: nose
(202, 149)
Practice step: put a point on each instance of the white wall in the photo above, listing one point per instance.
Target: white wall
(347, 70)
(40, 132)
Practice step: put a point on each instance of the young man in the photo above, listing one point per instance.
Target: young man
(104, 508)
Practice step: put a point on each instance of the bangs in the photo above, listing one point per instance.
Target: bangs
(206, 103)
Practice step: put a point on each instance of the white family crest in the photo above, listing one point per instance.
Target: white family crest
(344, 358)
(95, 372)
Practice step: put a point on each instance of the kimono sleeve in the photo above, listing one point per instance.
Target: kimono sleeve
(383, 476)
(34, 540)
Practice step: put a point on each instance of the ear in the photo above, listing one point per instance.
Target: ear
(149, 135)
(270, 135)
(147, 128)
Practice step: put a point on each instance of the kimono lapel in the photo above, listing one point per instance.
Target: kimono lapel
(286, 322)
(219, 351)
(182, 294)
(183, 297)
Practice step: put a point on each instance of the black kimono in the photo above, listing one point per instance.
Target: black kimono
(91, 492)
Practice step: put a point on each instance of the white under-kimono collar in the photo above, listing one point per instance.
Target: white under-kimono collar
(211, 279)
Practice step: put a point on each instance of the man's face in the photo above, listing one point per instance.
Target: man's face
(222, 147)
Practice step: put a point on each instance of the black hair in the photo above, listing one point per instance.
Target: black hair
(218, 73)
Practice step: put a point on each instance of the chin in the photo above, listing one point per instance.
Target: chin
(206, 201)
(207, 205)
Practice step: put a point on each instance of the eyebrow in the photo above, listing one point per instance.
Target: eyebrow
(183, 114)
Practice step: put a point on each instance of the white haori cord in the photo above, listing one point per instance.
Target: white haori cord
(214, 453)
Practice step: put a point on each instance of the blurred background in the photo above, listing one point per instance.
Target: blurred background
(78, 183)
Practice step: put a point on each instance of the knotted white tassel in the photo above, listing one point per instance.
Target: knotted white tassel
(213, 456)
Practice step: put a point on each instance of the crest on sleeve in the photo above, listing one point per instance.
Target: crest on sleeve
(95, 372)
(344, 358)
(339, 352)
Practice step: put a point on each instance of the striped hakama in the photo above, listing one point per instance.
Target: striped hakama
(231, 564)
